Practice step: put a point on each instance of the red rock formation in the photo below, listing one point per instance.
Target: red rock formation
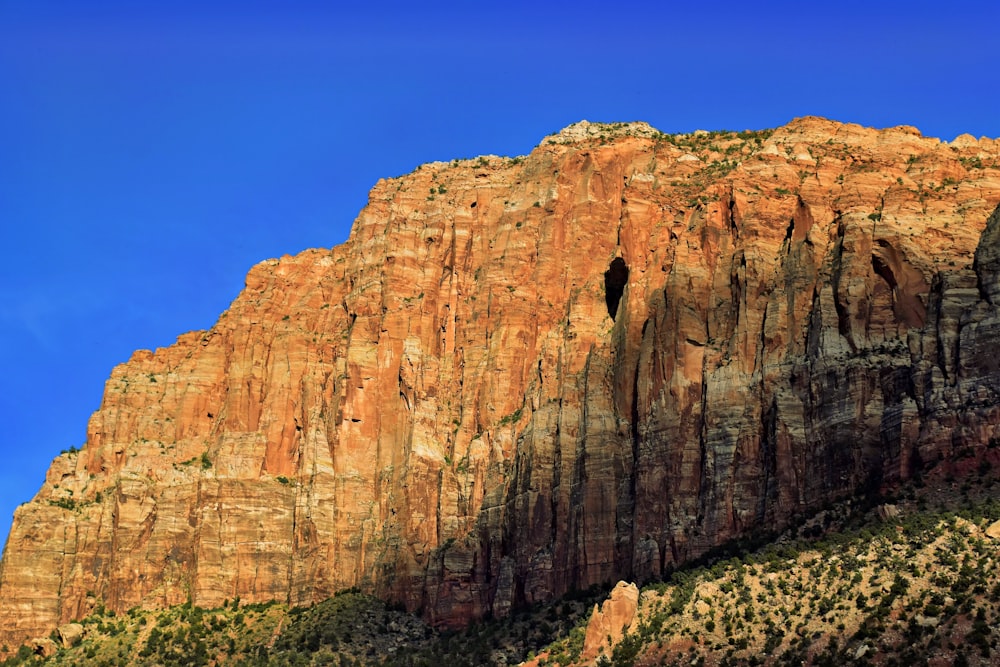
(610, 621)
(521, 376)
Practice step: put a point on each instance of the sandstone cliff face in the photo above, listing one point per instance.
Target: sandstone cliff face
(521, 376)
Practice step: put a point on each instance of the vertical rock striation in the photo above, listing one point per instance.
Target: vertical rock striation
(523, 376)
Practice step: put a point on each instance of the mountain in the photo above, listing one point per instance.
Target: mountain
(521, 377)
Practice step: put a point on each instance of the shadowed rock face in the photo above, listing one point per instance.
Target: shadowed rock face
(523, 376)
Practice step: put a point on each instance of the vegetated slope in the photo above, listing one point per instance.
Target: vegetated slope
(523, 377)
(900, 580)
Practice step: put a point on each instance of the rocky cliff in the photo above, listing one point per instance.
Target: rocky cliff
(523, 376)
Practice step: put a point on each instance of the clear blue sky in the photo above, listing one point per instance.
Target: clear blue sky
(149, 155)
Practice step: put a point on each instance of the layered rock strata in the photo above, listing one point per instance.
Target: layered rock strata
(523, 376)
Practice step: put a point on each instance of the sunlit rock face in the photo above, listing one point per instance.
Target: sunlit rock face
(523, 376)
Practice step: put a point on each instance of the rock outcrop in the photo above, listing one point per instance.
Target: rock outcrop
(70, 634)
(610, 621)
(524, 376)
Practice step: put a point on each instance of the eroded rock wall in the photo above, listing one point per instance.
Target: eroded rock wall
(450, 409)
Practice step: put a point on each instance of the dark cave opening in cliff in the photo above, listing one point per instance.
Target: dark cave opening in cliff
(615, 279)
(882, 269)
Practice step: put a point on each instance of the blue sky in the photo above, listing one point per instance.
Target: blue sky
(150, 154)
